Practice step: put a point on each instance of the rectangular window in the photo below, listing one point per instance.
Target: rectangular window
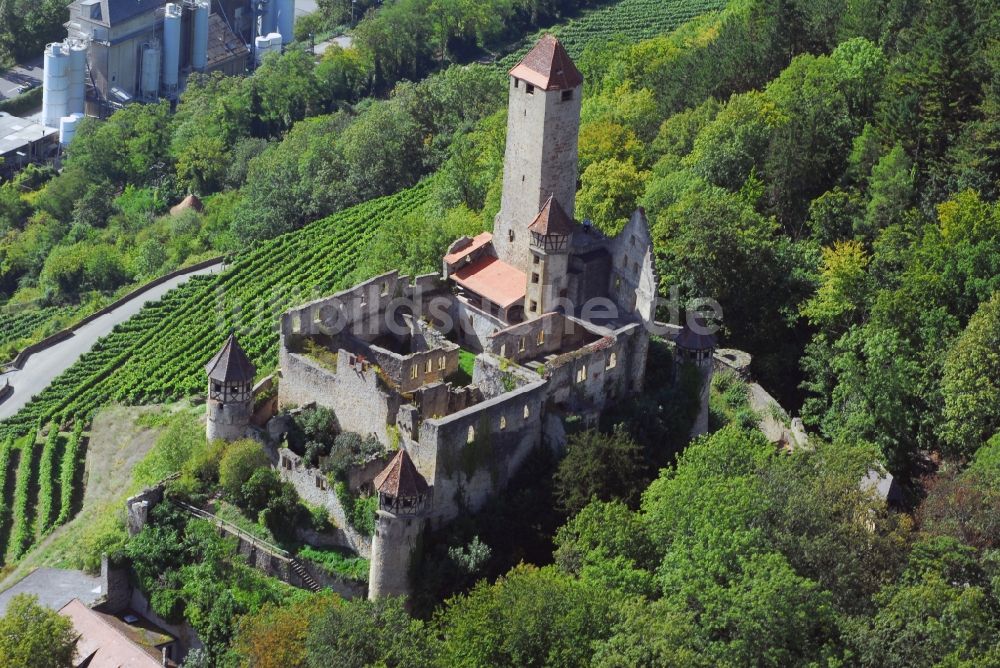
(534, 306)
(529, 89)
(535, 259)
(567, 95)
(442, 362)
(520, 343)
(541, 336)
(413, 372)
(430, 365)
(510, 235)
(534, 277)
(517, 82)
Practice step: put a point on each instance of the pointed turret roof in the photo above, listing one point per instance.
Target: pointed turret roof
(401, 478)
(231, 364)
(697, 338)
(552, 219)
(548, 66)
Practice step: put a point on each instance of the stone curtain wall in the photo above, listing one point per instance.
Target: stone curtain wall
(589, 378)
(633, 279)
(353, 392)
(477, 450)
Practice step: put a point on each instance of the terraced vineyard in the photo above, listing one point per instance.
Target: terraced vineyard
(16, 326)
(160, 353)
(633, 19)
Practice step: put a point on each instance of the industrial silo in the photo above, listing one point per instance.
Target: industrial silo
(55, 84)
(268, 16)
(77, 96)
(286, 19)
(67, 128)
(171, 48)
(149, 82)
(199, 36)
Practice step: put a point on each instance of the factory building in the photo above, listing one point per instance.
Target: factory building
(122, 51)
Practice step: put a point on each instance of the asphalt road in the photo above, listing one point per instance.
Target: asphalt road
(29, 73)
(43, 367)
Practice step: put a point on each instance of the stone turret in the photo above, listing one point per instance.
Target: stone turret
(404, 498)
(550, 237)
(696, 345)
(543, 126)
(230, 392)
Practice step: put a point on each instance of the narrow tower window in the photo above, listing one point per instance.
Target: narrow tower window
(567, 95)
(529, 89)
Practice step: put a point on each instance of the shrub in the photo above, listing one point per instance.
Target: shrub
(238, 464)
(258, 491)
(67, 472)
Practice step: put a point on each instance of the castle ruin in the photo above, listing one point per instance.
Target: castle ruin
(554, 316)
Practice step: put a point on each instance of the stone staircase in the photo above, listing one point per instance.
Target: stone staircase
(259, 553)
(303, 574)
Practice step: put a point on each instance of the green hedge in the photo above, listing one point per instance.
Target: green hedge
(24, 103)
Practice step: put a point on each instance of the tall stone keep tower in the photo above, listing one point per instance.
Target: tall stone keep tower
(230, 392)
(403, 499)
(550, 234)
(543, 127)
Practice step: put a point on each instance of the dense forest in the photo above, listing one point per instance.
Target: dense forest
(827, 171)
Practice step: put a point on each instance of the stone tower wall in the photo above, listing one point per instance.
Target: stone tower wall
(540, 160)
(393, 546)
(228, 421)
(551, 272)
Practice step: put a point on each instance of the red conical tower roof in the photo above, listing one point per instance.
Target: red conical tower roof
(400, 478)
(552, 219)
(548, 66)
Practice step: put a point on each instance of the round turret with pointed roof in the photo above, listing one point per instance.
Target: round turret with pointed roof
(230, 373)
(401, 489)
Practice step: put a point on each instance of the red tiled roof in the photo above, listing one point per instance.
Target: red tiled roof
(548, 66)
(497, 281)
(478, 242)
(400, 478)
(106, 645)
(552, 219)
(231, 364)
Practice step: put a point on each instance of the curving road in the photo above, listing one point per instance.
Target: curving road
(42, 368)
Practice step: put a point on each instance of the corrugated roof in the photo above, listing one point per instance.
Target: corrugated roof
(497, 281)
(552, 219)
(231, 364)
(548, 66)
(223, 44)
(400, 478)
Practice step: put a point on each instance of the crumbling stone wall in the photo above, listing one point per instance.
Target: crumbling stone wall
(314, 488)
(361, 402)
(476, 451)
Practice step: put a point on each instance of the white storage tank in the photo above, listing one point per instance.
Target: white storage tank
(199, 36)
(171, 48)
(286, 20)
(67, 128)
(77, 77)
(55, 84)
(149, 83)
